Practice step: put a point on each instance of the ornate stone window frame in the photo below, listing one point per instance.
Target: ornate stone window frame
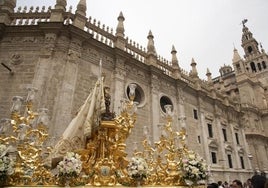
(139, 94)
(165, 100)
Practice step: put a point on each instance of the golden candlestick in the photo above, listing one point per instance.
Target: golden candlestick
(25, 137)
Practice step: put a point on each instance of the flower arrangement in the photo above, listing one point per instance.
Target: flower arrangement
(70, 166)
(194, 167)
(137, 168)
(6, 163)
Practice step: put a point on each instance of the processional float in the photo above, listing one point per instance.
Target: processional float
(103, 156)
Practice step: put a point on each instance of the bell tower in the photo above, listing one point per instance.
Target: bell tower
(249, 43)
(255, 59)
(251, 72)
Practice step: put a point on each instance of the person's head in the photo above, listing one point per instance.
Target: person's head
(258, 181)
(237, 184)
(248, 182)
(219, 182)
(213, 185)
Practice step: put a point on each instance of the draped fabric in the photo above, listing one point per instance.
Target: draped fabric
(88, 114)
(83, 123)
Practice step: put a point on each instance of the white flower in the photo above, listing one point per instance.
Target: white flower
(194, 167)
(71, 165)
(137, 168)
(6, 163)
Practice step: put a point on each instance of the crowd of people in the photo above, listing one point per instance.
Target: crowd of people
(257, 181)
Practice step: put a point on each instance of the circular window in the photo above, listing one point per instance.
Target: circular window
(139, 94)
(164, 100)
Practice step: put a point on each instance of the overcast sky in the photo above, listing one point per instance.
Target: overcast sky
(206, 30)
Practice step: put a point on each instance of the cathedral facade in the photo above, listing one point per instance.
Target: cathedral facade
(57, 55)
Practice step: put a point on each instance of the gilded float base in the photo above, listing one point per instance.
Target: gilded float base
(198, 186)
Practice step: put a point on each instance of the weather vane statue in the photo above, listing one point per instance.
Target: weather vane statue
(244, 21)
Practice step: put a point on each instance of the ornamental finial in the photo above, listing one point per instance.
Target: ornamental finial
(244, 21)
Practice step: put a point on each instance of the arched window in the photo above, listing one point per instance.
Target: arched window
(263, 65)
(259, 66)
(139, 95)
(250, 49)
(238, 68)
(164, 100)
(253, 67)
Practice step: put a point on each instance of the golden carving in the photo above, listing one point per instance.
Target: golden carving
(104, 158)
(26, 144)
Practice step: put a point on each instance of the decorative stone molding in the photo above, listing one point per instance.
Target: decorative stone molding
(213, 144)
(218, 111)
(141, 74)
(120, 72)
(76, 44)
(155, 85)
(16, 59)
(201, 103)
(223, 122)
(228, 148)
(92, 52)
(235, 126)
(180, 95)
(241, 151)
(73, 56)
(49, 44)
(209, 116)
